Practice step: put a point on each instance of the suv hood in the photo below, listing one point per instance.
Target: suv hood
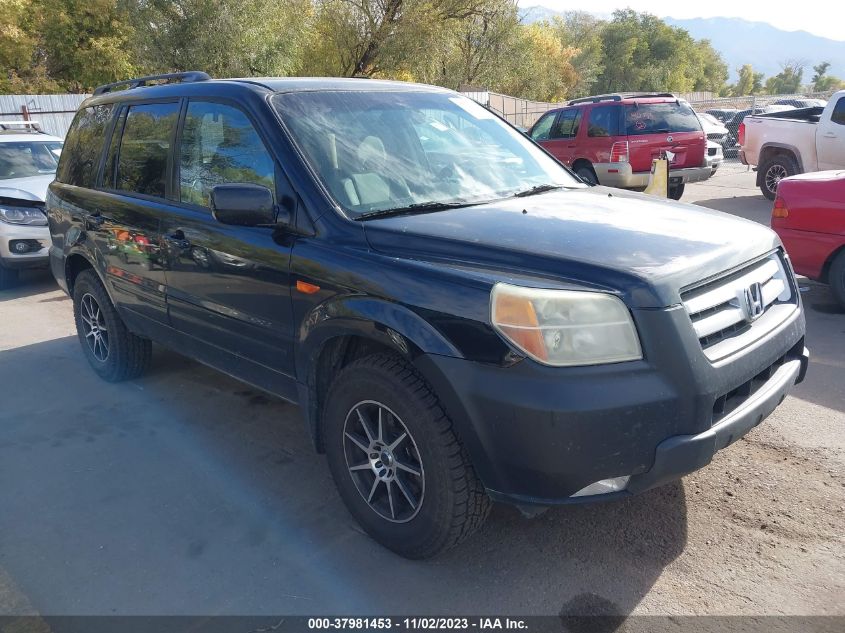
(32, 188)
(646, 248)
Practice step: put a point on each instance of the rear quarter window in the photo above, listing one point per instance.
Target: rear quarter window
(660, 118)
(80, 159)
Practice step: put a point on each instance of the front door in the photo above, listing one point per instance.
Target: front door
(228, 286)
(830, 138)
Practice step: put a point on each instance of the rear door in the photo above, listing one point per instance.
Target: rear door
(830, 138)
(654, 128)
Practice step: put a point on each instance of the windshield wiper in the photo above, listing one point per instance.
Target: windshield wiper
(418, 207)
(537, 189)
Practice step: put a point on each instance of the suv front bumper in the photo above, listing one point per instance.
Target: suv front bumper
(537, 435)
(620, 175)
(31, 234)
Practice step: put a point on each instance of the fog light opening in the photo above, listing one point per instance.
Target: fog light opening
(603, 487)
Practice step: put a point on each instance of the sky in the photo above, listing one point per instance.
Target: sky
(825, 18)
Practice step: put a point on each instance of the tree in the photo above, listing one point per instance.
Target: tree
(822, 82)
(642, 52)
(226, 38)
(788, 80)
(583, 32)
(749, 82)
(63, 45)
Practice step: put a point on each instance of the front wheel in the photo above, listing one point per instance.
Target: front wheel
(396, 461)
(586, 173)
(676, 191)
(775, 170)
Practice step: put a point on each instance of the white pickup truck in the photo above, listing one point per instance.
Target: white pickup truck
(782, 144)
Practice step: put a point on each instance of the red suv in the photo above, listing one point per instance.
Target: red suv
(623, 133)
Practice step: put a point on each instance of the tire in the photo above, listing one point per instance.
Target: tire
(8, 277)
(450, 504)
(676, 191)
(587, 174)
(778, 167)
(113, 352)
(836, 279)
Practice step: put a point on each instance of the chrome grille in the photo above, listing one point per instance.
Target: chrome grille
(741, 304)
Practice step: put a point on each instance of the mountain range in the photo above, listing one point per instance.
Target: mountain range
(742, 42)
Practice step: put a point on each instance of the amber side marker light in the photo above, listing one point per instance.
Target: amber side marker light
(305, 287)
(780, 210)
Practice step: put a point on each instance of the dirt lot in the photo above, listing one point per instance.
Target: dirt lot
(188, 492)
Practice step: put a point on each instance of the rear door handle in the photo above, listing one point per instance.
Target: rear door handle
(830, 135)
(93, 220)
(177, 238)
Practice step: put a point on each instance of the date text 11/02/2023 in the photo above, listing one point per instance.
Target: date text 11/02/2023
(422, 623)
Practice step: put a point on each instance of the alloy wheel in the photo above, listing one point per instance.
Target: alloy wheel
(94, 327)
(774, 175)
(383, 461)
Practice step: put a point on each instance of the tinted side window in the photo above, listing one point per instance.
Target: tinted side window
(568, 123)
(84, 146)
(604, 121)
(219, 145)
(543, 128)
(144, 148)
(838, 114)
(111, 155)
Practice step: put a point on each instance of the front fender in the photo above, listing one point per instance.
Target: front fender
(385, 322)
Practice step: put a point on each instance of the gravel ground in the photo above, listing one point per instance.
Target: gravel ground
(188, 492)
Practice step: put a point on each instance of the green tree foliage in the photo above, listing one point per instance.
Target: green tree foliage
(822, 82)
(644, 53)
(63, 45)
(749, 82)
(57, 45)
(788, 80)
(226, 38)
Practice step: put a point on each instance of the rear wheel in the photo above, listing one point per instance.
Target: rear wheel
(676, 191)
(587, 174)
(113, 352)
(396, 461)
(8, 277)
(776, 169)
(836, 279)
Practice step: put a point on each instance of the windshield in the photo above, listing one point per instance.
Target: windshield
(21, 159)
(379, 151)
(653, 118)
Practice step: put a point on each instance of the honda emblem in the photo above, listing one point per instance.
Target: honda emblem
(753, 301)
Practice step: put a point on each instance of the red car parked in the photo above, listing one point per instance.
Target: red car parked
(612, 139)
(809, 216)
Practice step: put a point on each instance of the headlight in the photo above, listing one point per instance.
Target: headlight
(30, 216)
(565, 327)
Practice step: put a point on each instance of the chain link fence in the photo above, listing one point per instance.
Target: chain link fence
(723, 115)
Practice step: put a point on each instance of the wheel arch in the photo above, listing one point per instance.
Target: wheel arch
(825, 272)
(770, 150)
(336, 333)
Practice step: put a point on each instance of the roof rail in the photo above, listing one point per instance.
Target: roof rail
(618, 96)
(186, 77)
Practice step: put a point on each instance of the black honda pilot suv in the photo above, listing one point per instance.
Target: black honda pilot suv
(459, 317)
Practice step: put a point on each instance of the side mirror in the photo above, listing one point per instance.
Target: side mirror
(243, 204)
